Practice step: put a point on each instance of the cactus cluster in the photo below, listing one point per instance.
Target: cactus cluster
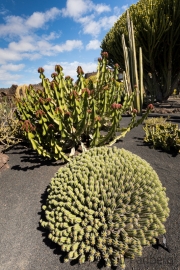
(105, 203)
(59, 117)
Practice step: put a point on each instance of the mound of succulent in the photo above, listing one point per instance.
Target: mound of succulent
(105, 203)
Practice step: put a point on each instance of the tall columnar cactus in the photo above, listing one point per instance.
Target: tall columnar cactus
(105, 203)
(132, 81)
(65, 115)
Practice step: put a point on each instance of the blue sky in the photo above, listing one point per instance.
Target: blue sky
(44, 33)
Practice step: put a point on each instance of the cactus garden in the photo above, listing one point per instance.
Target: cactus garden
(105, 203)
(105, 196)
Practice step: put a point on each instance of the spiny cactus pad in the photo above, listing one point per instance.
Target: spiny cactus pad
(105, 203)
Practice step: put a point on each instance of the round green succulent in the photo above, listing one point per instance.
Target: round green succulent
(105, 203)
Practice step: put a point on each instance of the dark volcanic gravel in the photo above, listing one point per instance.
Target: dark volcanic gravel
(24, 246)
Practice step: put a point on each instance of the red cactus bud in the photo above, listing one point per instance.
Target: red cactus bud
(104, 55)
(116, 106)
(113, 106)
(48, 99)
(89, 111)
(67, 113)
(150, 107)
(53, 75)
(27, 126)
(99, 59)
(87, 91)
(80, 70)
(40, 70)
(39, 113)
(52, 85)
(41, 100)
(51, 126)
(97, 118)
(134, 111)
(58, 68)
(58, 109)
(74, 93)
(116, 65)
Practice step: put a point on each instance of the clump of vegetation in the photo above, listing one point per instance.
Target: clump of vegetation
(10, 131)
(162, 134)
(105, 203)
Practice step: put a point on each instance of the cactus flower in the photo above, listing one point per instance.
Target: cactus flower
(104, 54)
(150, 107)
(134, 111)
(40, 70)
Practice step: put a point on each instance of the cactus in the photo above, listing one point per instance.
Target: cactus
(21, 91)
(161, 134)
(10, 132)
(130, 76)
(155, 23)
(105, 203)
(65, 115)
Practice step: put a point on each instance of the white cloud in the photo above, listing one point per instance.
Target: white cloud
(94, 27)
(3, 10)
(5, 76)
(24, 45)
(33, 47)
(19, 26)
(38, 19)
(12, 67)
(93, 45)
(99, 8)
(69, 45)
(7, 55)
(51, 36)
(78, 8)
(14, 26)
(107, 22)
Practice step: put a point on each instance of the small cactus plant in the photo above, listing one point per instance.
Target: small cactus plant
(162, 134)
(105, 203)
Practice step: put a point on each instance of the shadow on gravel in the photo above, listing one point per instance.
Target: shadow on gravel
(37, 161)
(30, 160)
(177, 120)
